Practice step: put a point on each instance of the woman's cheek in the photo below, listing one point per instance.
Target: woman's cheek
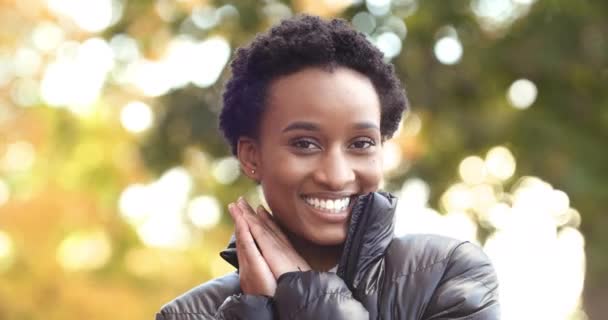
(372, 175)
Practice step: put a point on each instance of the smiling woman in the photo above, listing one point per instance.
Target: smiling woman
(306, 112)
(316, 144)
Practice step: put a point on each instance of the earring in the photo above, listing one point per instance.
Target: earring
(252, 171)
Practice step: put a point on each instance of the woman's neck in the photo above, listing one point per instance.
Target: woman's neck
(319, 257)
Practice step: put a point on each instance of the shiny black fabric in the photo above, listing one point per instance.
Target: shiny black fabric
(379, 277)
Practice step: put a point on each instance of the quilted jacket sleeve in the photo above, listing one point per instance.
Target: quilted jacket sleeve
(238, 306)
(243, 306)
(316, 295)
(468, 289)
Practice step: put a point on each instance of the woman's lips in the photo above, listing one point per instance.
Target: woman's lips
(328, 216)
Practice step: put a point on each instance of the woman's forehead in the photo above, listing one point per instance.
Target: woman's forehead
(318, 94)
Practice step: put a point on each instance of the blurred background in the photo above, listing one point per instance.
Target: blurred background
(114, 180)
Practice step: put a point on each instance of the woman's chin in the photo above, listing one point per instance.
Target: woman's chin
(328, 238)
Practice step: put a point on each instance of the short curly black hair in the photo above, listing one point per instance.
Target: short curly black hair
(294, 44)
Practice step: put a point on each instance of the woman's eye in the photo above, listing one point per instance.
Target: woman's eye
(304, 144)
(363, 144)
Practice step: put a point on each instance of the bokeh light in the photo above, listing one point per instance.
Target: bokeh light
(389, 43)
(410, 126)
(206, 71)
(83, 66)
(524, 2)
(391, 156)
(448, 50)
(397, 25)
(5, 192)
(164, 231)
(7, 71)
(378, 7)
(522, 93)
(136, 116)
(364, 22)
(500, 163)
(47, 36)
(27, 62)
(495, 16)
(84, 250)
(204, 212)
(150, 77)
(19, 156)
(415, 192)
(226, 170)
(458, 197)
(25, 92)
(91, 16)
(156, 210)
(205, 17)
(276, 11)
(472, 170)
(133, 203)
(532, 222)
(404, 8)
(7, 251)
(125, 48)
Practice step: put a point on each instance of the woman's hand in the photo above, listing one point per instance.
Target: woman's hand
(254, 274)
(276, 248)
(259, 268)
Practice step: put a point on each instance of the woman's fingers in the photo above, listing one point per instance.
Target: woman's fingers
(238, 232)
(262, 221)
(269, 220)
(274, 245)
(267, 238)
(255, 275)
(243, 235)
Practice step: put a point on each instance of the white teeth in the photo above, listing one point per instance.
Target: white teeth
(334, 206)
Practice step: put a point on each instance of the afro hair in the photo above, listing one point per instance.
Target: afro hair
(294, 44)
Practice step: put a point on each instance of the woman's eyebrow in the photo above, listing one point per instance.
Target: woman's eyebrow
(365, 125)
(302, 125)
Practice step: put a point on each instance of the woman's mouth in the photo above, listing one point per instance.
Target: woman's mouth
(329, 205)
(332, 210)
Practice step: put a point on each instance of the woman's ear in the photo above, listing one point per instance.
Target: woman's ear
(248, 154)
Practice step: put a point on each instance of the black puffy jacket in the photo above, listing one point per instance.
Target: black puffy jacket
(379, 277)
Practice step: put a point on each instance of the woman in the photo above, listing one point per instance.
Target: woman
(306, 112)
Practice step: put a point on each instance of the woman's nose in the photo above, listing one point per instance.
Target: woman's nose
(334, 171)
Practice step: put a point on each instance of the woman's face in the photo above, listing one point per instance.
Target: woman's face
(319, 146)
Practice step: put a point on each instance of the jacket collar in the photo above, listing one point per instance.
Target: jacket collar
(369, 234)
(370, 231)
